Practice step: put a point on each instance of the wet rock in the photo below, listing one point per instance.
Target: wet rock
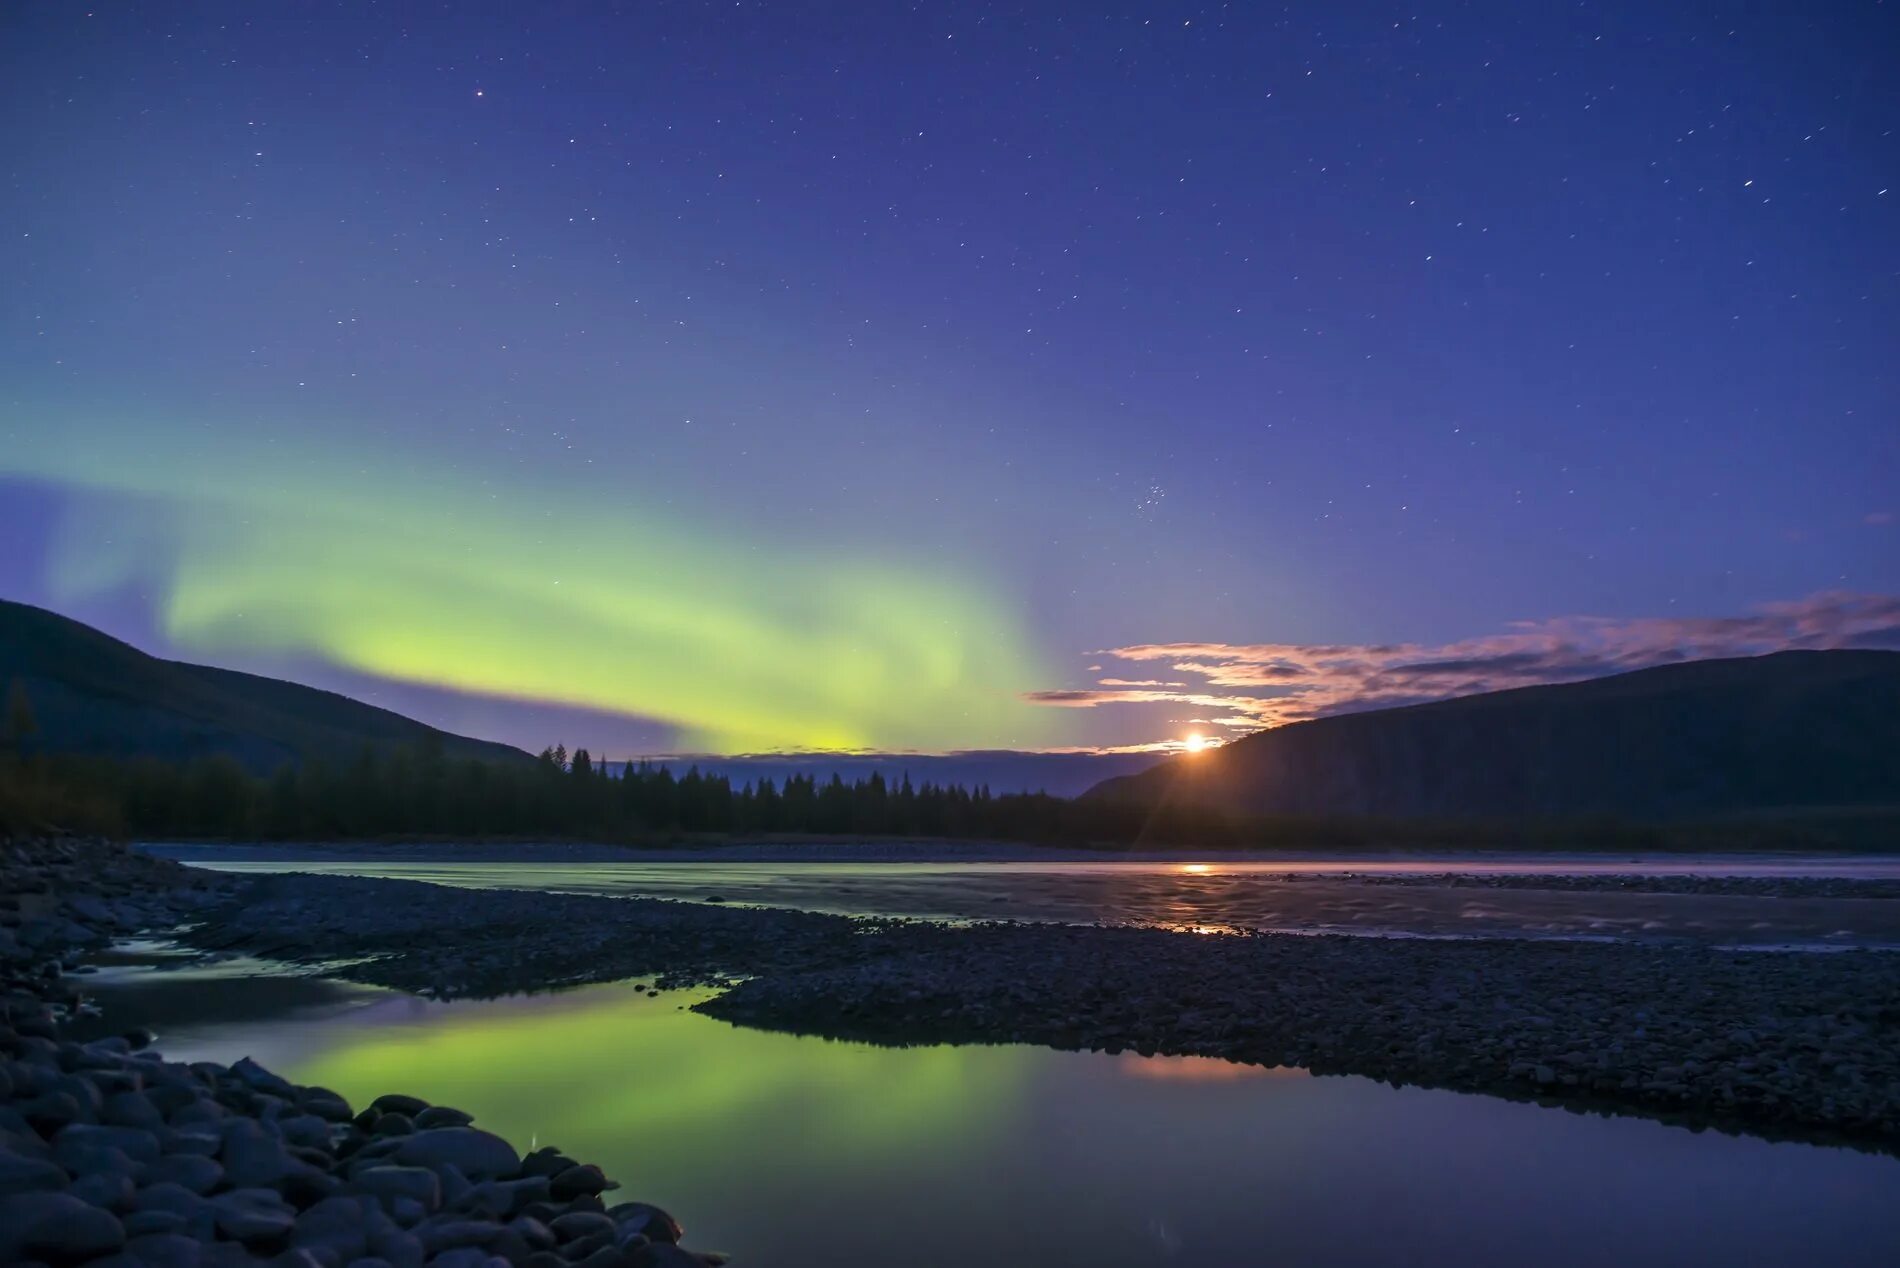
(49, 1113)
(499, 1199)
(306, 1130)
(574, 1182)
(139, 1145)
(108, 1190)
(199, 1215)
(475, 1153)
(397, 1103)
(447, 1232)
(442, 1116)
(605, 1257)
(533, 1233)
(463, 1257)
(131, 1109)
(546, 1161)
(391, 1183)
(337, 1227)
(642, 1217)
(399, 1248)
(56, 1227)
(199, 1174)
(22, 1175)
(577, 1224)
(141, 1223)
(253, 1215)
(455, 1185)
(88, 1160)
(325, 1104)
(252, 1157)
(259, 1079)
(164, 1250)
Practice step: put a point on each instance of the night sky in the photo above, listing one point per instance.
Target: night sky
(748, 377)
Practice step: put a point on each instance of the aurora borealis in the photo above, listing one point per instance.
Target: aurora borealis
(737, 379)
(414, 576)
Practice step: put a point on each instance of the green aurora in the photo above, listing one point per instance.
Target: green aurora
(658, 1080)
(414, 570)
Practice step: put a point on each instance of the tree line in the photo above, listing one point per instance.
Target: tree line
(419, 792)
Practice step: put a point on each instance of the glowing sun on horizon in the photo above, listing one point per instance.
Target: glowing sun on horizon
(1196, 743)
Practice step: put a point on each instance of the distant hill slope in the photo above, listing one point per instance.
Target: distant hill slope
(1793, 729)
(92, 694)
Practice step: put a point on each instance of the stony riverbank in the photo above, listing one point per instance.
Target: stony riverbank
(1805, 1045)
(112, 1156)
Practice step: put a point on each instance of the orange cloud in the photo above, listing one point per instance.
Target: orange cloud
(1259, 685)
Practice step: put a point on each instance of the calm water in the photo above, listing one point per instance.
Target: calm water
(806, 1153)
(1306, 896)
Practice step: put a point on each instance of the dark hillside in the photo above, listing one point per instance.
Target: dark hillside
(1794, 729)
(91, 694)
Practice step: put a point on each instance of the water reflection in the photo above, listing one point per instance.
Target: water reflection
(1199, 1069)
(808, 1153)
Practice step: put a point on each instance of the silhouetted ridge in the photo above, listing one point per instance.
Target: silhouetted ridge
(92, 694)
(1788, 730)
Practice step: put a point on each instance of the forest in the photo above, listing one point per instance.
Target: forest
(417, 791)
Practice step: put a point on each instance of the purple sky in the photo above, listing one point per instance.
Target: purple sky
(1237, 350)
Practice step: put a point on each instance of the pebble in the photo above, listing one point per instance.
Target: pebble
(111, 1156)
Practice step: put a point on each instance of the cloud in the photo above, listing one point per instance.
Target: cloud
(1090, 698)
(1269, 684)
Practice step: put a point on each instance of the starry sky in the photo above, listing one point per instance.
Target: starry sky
(773, 377)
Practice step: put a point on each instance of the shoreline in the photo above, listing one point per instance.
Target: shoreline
(1802, 1046)
(1479, 860)
(111, 1154)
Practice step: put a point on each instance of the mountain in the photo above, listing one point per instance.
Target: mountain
(92, 694)
(1792, 729)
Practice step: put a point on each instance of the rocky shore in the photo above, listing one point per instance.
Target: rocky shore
(109, 1154)
(1804, 1045)
(112, 1156)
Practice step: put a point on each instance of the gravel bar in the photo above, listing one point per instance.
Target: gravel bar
(1805, 1045)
